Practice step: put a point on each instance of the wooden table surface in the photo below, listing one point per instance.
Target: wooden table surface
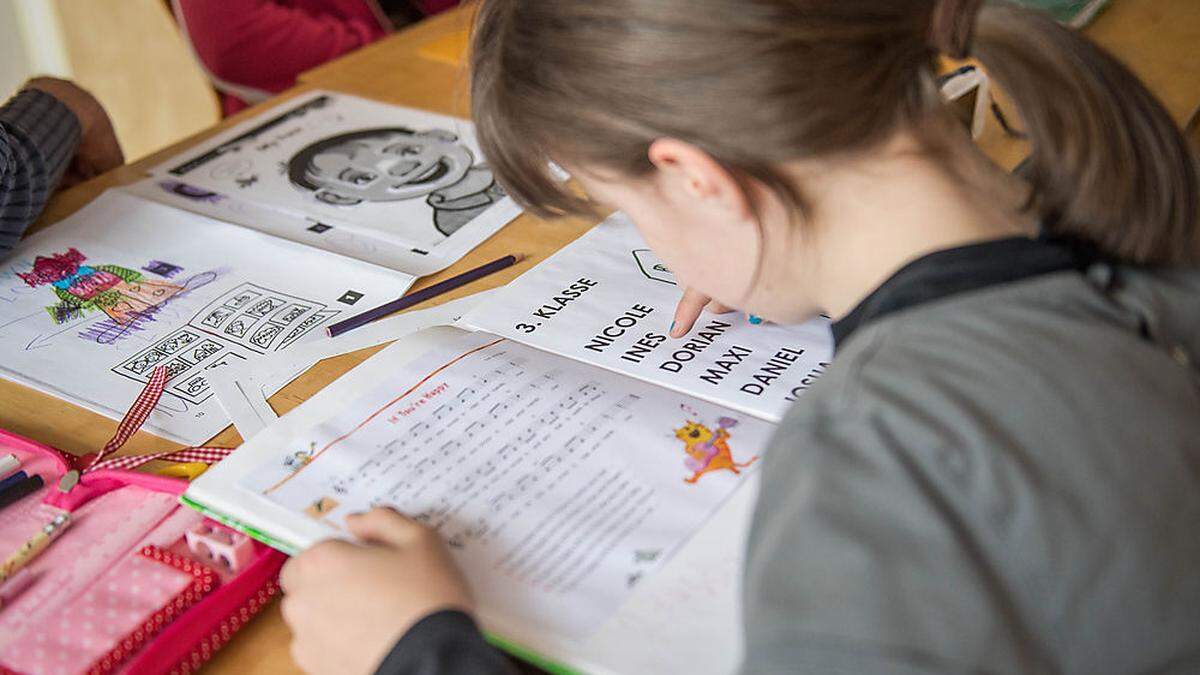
(1156, 38)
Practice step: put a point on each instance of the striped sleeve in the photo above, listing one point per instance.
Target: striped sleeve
(38, 138)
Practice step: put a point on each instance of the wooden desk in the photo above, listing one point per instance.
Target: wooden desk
(1155, 37)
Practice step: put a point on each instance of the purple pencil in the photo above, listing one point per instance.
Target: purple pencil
(422, 295)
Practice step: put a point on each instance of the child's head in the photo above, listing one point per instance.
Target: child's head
(380, 165)
(692, 113)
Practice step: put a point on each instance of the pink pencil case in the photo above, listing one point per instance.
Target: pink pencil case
(137, 583)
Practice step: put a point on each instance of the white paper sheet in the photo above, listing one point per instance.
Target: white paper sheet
(243, 389)
(557, 485)
(89, 306)
(607, 300)
(242, 399)
(389, 178)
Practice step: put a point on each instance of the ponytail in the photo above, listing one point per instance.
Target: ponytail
(1109, 168)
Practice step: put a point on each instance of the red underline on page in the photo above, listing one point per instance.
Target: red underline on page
(375, 414)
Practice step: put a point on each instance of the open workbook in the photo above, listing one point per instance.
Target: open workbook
(316, 210)
(584, 469)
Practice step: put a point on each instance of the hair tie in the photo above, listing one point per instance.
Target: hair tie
(952, 25)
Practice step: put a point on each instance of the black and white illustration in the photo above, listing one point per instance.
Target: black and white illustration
(245, 320)
(395, 164)
(350, 162)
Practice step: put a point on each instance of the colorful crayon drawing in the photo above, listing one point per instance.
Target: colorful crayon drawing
(125, 295)
(708, 450)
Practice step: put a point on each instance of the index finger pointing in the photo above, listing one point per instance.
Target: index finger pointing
(687, 311)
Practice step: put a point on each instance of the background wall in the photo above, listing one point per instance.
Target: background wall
(128, 53)
(14, 66)
(16, 52)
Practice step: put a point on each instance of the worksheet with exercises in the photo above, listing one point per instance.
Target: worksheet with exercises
(90, 306)
(399, 179)
(557, 485)
(607, 300)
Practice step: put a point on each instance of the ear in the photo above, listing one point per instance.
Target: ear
(687, 170)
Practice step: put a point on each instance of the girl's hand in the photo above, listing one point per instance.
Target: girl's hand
(690, 306)
(348, 603)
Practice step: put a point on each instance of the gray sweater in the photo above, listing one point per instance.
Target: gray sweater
(1005, 479)
(1000, 473)
(38, 138)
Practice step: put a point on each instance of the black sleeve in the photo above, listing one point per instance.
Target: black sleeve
(444, 643)
(38, 138)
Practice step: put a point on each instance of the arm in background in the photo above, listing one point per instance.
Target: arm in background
(263, 45)
(38, 137)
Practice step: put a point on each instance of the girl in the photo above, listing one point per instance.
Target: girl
(1000, 472)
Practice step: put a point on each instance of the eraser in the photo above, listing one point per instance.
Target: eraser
(231, 550)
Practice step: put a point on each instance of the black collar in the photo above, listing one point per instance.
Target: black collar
(957, 270)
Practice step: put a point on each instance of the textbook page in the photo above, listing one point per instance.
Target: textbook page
(607, 300)
(685, 617)
(557, 485)
(91, 305)
(403, 187)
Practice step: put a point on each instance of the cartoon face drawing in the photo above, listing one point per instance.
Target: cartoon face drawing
(380, 165)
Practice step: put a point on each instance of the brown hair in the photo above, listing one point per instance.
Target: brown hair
(756, 83)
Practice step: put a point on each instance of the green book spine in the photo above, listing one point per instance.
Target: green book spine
(240, 527)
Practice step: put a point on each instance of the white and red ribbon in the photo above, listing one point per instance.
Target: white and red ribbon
(134, 419)
(197, 454)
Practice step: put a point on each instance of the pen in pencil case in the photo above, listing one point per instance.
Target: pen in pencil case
(8, 464)
(36, 544)
(12, 480)
(16, 486)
